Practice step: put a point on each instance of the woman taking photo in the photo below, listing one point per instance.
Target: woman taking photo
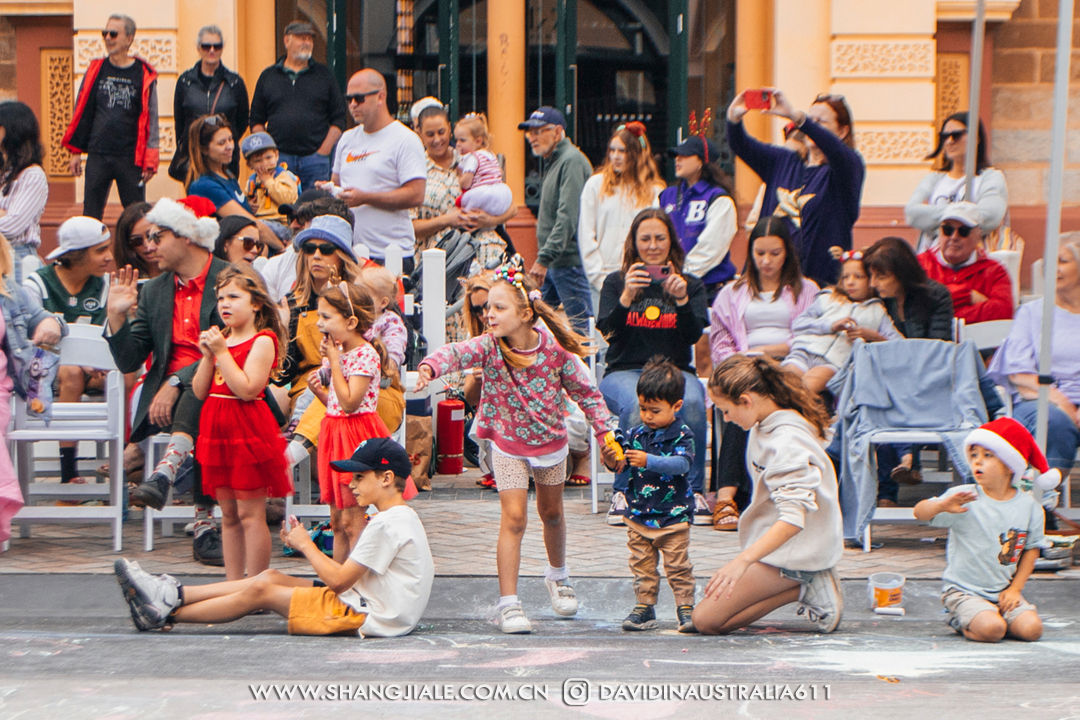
(949, 184)
(239, 240)
(210, 150)
(818, 198)
(208, 88)
(652, 307)
(627, 183)
(754, 314)
(24, 189)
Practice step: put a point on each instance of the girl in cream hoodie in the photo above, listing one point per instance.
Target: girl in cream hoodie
(791, 534)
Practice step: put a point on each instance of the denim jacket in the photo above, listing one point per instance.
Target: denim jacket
(22, 314)
(655, 496)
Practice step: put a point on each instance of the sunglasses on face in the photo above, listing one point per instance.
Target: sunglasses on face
(325, 249)
(954, 135)
(207, 47)
(479, 310)
(251, 244)
(136, 240)
(155, 237)
(961, 230)
(110, 34)
(359, 98)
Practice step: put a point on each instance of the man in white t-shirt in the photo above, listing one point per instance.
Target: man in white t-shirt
(380, 591)
(380, 169)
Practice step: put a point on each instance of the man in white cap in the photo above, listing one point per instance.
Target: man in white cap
(73, 288)
(980, 286)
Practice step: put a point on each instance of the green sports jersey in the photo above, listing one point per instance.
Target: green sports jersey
(90, 303)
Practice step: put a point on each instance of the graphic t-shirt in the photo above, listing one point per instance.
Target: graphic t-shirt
(395, 589)
(119, 103)
(88, 306)
(987, 541)
(364, 361)
(380, 162)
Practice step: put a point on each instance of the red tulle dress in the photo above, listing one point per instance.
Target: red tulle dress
(240, 446)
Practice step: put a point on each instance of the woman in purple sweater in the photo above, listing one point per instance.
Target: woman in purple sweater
(819, 198)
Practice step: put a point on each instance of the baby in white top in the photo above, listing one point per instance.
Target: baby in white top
(479, 173)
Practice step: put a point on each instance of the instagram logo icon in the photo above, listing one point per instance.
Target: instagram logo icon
(575, 692)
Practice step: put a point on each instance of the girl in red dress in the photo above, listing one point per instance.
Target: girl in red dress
(240, 446)
(348, 385)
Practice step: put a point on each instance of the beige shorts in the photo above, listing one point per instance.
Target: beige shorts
(962, 608)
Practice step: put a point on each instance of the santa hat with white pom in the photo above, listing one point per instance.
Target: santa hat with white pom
(1013, 445)
(187, 217)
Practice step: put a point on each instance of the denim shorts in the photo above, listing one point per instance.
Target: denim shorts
(800, 576)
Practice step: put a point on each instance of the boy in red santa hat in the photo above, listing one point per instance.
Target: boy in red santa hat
(995, 534)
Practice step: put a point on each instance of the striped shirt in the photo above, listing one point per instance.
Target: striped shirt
(24, 204)
(485, 166)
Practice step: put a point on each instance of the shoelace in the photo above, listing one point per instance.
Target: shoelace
(811, 612)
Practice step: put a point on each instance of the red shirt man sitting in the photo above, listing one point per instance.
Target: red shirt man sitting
(980, 286)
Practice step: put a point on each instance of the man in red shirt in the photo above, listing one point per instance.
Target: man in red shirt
(173, 309)
(980, 286)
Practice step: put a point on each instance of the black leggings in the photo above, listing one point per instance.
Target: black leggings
(732, 462)
(101, 171)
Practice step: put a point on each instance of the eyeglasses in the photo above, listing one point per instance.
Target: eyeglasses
(541, 129)
(961, 230)
(155, 237)
(136, 240)
(110, 34)
(207, 47)
(359, 98)
(954, 135)
(251, 244)
(325, 249)
(479, 310)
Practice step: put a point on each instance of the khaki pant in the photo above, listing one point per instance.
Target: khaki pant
(646, 545)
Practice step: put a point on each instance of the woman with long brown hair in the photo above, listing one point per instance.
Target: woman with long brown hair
(652, 306)
(627, 183)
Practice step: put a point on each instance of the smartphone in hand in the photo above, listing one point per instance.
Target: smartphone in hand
(758, 99)
(658, 273)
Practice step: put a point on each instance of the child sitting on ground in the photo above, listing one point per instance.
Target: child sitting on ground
(479, 173)
(824, 333)
(381, 590)
(270, 185)
(995, 534)
(659, 500)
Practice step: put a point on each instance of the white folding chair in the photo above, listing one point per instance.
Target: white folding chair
(99, 422)
(987, 335)
(1010, 260)
(600, 474)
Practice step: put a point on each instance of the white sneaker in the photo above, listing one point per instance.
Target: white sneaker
(822, 601)
(702, 513)
(155, 596)
(616, 514)
(512, 620)
(189, 529)
(563, 598)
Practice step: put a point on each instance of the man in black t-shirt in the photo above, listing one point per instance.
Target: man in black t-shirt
(115, 122)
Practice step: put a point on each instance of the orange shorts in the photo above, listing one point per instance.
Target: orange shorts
(319, 611)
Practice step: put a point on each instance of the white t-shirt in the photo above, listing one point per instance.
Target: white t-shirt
(767, 322)
(395, 589)
(950, 190)
(380, 162)
(279, 273)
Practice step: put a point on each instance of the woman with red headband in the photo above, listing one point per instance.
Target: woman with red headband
(818, 198)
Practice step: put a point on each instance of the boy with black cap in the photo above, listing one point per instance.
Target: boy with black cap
(381, 590)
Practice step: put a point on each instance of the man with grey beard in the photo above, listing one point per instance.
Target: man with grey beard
(298, 102)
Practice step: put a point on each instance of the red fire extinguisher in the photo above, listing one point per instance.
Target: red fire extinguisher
(450, 420)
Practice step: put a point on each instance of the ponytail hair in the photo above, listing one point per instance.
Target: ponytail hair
(740, 374)
(527, 297)
(353, 301)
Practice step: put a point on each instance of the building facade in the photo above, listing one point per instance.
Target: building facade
(903, 66)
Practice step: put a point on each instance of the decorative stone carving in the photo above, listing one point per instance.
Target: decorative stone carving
(905, 58)
(158, 49)
(166, 137)
(58, 100)
(895, 146)
(952, 84)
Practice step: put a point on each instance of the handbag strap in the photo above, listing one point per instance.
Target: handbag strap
(219, 89)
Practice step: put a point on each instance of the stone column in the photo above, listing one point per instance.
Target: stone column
(753, 69)
(260, 42)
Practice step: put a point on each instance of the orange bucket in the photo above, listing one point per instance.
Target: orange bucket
(885, 589)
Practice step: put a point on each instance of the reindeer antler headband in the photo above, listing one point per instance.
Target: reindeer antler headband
(702, 129)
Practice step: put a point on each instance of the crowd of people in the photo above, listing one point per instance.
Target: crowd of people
(256, 325)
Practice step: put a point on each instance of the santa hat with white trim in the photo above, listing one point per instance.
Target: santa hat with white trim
(189, 217)
(1013, 445)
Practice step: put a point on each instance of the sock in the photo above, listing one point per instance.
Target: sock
(203, 520)
(507, 600)
(178, 451)
(295, 452)
(555, 574)
(68, 470)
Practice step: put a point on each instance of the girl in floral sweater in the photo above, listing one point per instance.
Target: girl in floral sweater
(525, 364)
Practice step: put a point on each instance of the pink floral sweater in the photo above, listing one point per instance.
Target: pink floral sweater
(520, 410)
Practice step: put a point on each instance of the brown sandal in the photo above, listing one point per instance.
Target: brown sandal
(725, 516)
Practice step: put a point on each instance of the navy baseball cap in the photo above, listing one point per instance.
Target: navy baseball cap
(695, 145)
(256, 142)
(542, 116)
(376, 454)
